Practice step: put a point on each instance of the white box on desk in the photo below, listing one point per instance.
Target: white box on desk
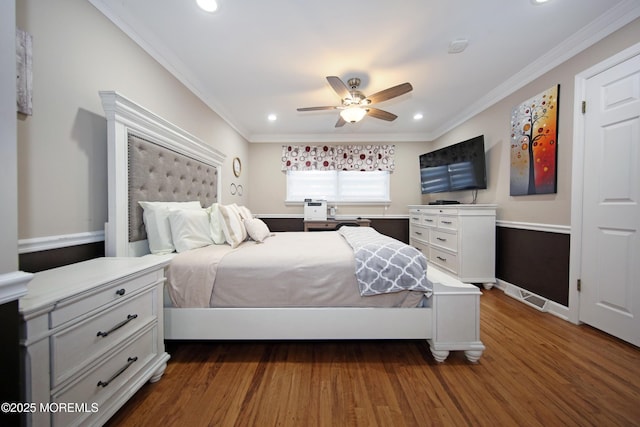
(315, 210)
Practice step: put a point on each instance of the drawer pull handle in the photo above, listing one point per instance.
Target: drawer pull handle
(129, 318)
(130, 361)
(441, 239)
(419, 233)
(429, 220)
(120, 292)
(442, 259)
(446, 222)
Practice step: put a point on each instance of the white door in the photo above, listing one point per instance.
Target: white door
(610, 274)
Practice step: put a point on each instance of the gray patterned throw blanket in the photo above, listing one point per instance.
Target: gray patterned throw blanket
(384, 264)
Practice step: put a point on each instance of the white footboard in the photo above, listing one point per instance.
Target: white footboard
(297, 323)
(452, 322)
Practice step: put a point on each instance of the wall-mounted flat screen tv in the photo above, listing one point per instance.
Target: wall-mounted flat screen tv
(457, 167)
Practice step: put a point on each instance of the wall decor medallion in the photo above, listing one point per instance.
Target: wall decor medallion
(237, 167)
(534, 144)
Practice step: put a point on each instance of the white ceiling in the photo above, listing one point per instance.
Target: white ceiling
(253, 58)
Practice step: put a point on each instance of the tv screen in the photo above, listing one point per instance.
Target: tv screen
(454, 168)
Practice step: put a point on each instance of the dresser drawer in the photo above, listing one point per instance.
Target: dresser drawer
(445, 240)
(444, 259)
(114, 372)
(415, 218)
(84, 303)
(419, 232)
(448, 222)
(430, 220)
(77, 346)
(422, 247)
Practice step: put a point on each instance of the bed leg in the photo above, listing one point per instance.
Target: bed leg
(473, 355)
(439, 355)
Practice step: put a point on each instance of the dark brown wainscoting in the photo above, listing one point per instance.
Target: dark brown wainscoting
(536, 261)
(9, 361)
(284, 224)
(398, 228)
(44, 260)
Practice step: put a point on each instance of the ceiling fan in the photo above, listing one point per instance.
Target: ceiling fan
(355, 105)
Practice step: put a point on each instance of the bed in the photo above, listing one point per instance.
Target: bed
(152, 160)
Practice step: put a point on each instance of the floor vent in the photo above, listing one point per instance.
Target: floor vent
(534, 300)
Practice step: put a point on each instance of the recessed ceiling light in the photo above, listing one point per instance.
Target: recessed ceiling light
(417, 116)
(208, 5)
(459, 45)
(272, 117)
(537, 2)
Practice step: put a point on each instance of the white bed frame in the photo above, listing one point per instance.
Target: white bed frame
(450, 323)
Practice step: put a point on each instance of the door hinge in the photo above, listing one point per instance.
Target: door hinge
(584, 107)
(579, 285)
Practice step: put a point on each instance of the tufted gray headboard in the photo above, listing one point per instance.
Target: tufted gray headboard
(159, 174)
(151, 159)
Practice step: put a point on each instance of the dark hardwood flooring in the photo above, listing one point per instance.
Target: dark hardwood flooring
(537, 370)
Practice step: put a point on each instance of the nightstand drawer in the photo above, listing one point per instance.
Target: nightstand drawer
(83, 303)
(97, 385)
(444, 259)
(75, 347)
(445, 240)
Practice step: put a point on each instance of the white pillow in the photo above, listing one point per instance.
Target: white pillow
(189, 228)
(232, 226)
(257, 229)
(214, 224)
(245, 213)
(156, 221)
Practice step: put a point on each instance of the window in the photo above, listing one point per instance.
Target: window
(339, 186)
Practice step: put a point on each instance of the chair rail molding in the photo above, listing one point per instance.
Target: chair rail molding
(550, 228)
(38, 244)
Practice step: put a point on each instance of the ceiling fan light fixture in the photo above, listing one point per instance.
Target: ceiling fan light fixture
(353, 114)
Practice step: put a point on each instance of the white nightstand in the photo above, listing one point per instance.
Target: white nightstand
(91, 336)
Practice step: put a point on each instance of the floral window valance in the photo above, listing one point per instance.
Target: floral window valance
(338, 157)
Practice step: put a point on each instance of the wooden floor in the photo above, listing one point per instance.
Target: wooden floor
(537, 370)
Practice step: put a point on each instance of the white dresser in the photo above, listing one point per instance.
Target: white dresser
(91, 336)
(458, 239)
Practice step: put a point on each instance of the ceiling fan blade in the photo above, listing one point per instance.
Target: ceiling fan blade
(316, 108)
(339, 87)
(381, 114)
(389, 93)
(341, 122)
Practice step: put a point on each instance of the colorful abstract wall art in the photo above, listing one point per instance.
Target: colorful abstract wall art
(534, 144)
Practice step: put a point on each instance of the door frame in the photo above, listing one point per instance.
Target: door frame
(577, 173)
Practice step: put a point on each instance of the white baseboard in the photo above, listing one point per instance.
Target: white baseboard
(533, 300)
(55, 242)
